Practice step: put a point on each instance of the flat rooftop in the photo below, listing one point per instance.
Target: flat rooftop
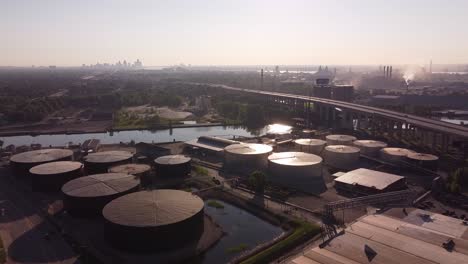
(413, 238)
(369, 178)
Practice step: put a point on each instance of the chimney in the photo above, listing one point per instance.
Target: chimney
(261, 79)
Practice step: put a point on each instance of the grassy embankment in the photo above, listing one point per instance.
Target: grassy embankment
(302, 231)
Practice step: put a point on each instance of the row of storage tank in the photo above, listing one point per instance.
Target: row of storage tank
(134, 219)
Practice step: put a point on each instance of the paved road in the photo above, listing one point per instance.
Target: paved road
(23, 230)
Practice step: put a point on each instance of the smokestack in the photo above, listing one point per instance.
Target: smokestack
(430, 67)
(261, 79)
(391, 70)
(384, 70)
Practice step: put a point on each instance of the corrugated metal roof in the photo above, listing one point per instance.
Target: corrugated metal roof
(100, 185)
(41, 155)
(369, 178)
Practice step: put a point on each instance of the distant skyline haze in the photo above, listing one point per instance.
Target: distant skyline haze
(242, 32)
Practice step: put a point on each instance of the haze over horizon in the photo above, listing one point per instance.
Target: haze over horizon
(298, 32)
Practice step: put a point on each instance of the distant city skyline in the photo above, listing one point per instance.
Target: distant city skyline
(297, 32)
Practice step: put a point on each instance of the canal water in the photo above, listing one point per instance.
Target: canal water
(166, 135)
(243, 230)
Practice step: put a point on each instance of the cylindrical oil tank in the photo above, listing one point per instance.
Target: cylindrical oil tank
(296, 170)
(51, 176)
(341, 156)
(86, 196)
(424, 160)
(370, 147)
(21, 163)
(309, 145)
(154, 220)
(142, 171)
(307, 133)
(173, 166)
(340, 139)
(394, 154)
(100, 162)
(246, 157)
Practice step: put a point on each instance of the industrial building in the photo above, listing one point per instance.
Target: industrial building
(340, 139)
(310, 145)
(343, 93)
(51, 176)
(296, 170)
(86, 196)
(148, 152)
(21, 163)
(213, 145)
(142, 171)
(365, 181)
(394, 154)
(246, 157)
(395, 238)
(423, 160)
(370, 148)
(154, 220)
(341, 156)
(100, 162)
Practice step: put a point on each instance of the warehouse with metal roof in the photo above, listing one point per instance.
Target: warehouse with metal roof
(365, 181)
(214, 145)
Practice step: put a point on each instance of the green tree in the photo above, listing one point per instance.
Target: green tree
(257, 181)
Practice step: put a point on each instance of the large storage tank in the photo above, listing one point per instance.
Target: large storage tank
(394, 154)
(246, 157)
(100, 162)
(340, 139)
(154, 220)
(86, 196)
(51, 176)
(341, 156)
(423, 160)
(370, 147)
(142, 171)
(296, 170)
(21, 163)
(309, 145)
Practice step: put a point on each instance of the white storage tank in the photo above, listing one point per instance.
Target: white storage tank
(246, 157)
(394, 154)
(424, 160)
(310, 145)
(341, 156)
(370, 147)
(340, 139)
(297, 170)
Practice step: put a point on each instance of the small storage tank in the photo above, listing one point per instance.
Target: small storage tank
(370, 147)
(426, 161)
(100, 162)
(173, 166)
(154, 220)
(310, 145)
(86, 196)
(246, 157)
(340, 139)
(307, 133)
(51, 176)
(21, 163)
(296, 170)
(394, 154)
(341, 156)
(142, 171)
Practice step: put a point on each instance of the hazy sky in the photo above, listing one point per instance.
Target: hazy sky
(240, 32)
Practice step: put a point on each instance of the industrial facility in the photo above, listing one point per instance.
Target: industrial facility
(142, 171)
(154, 220)
(341, 156)
(296, 170)
(213, 145)
(370, 148)
(310, 145)
(86, 196)
(246, 157)
(365, 182)
(51, 176)
(21, 163)
(100, 162)
(340, 139)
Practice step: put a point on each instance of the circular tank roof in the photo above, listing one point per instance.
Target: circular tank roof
(295, 158)
(41, 155)
(172, 160)
(397, 151)
(153, 208)
(248, 149)
(57, 167)
(342, 149)
(100, 185)
(108, 156)
(130, 168)
(310, 142)
(370, 143)
(422, 156)
(341, 137)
